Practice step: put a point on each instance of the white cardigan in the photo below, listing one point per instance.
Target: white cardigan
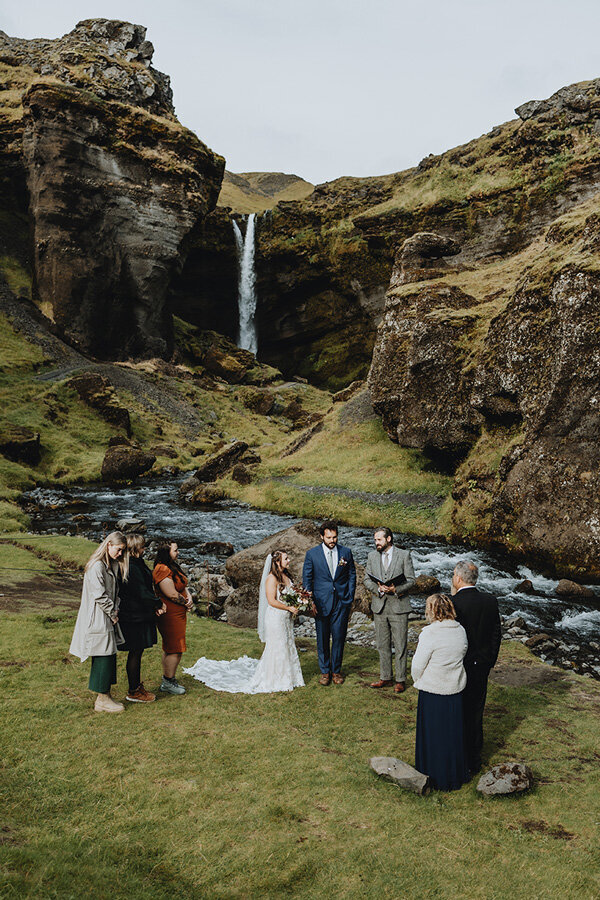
(437, 665)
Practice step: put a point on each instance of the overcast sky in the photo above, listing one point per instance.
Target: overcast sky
(324, 88)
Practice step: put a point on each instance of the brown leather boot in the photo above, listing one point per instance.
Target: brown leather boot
(384, 682)
(324, 678)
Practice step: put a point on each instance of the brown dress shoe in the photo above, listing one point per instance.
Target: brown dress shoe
(382, 683)
(399, 687)
(338, 678)
(324, 678)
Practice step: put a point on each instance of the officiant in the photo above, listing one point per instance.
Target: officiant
(388, 577)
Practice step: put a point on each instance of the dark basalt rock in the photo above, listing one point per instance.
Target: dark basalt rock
(113, 184)
(19, 443)
(421, 257)
(221, 462)
(123, 463)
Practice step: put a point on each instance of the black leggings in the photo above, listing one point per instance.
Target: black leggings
(134, 665)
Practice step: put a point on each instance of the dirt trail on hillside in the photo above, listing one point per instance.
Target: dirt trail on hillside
(153, 397)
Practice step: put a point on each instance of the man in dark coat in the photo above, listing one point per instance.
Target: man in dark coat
(478, 614)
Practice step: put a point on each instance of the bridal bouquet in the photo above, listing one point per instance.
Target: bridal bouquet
(301, 599)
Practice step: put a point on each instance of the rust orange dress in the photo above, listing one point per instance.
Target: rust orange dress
(172, 623)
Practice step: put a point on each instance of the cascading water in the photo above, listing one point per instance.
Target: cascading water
(247, 338)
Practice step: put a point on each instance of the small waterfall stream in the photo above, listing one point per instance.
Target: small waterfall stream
(247, 338)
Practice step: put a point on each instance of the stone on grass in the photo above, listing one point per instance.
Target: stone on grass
(221, 462)
(400, 773)
(507, 778)
(20, 443)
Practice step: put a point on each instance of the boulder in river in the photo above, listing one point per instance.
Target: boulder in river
(131, 526)
(426, 584)
(122, 463)
(524, 587)
(567, 588)
(507, 778)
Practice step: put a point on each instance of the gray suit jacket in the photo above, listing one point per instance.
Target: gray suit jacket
(401, 565)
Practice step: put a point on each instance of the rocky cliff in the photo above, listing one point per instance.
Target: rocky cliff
(102, 186)
(487, 359)
(324, 262)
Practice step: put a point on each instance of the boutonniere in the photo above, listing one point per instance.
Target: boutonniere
(342, 561)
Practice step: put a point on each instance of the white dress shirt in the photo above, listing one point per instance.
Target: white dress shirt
(334, 552)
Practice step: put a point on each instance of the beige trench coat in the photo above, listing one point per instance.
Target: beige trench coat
(95, 634)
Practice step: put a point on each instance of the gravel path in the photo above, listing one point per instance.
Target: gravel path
(428, 500)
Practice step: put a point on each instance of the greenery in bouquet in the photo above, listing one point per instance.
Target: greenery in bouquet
(301, 599)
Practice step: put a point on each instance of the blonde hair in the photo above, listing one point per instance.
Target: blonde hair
(135, 544)
(439, 607)
(101, 553)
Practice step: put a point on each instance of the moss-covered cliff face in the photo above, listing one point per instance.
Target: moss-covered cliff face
(101, 185)
(324, 262)
(491, 367)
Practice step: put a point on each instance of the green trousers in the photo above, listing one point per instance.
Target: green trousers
(103, 673)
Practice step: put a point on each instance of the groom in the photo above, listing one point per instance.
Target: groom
(330, 575)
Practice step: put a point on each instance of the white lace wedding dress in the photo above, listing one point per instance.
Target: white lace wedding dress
(278, 669)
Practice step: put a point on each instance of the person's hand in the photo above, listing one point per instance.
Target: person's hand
(161, 609)
(115, 619)
(293, 610)
(314, 609)
(189, 603)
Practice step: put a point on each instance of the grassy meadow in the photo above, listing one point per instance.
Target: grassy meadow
(223, 796)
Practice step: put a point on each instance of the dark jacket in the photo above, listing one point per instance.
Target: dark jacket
(479, 616)
(316, 577)
(138, 600)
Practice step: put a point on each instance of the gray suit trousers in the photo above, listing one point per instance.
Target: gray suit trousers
(391, 627)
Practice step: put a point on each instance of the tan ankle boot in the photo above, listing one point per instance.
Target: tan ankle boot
(105, 703)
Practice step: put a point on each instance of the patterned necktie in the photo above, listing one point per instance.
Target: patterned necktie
(386, 564)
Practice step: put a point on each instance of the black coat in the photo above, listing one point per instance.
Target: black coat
(138, 600)
(479, 616)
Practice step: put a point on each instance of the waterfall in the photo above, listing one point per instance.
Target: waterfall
(247, 285)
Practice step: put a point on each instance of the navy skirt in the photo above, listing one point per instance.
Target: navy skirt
(440, 747)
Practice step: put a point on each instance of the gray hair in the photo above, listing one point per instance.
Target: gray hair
(466, 571)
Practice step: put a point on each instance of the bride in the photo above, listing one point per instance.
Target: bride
(279, 667)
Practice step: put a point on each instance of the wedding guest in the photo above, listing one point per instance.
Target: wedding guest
(137, 617)
(478, 614)
(389, 576)
(171, 587)
(97, 630)
(439, 676)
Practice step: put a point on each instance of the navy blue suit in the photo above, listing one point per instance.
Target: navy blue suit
(333, 598)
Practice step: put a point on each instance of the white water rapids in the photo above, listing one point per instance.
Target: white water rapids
(247, 338)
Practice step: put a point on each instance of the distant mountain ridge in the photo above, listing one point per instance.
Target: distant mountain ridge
(250, 192)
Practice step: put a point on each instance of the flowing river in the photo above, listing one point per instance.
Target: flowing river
(94, 509)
